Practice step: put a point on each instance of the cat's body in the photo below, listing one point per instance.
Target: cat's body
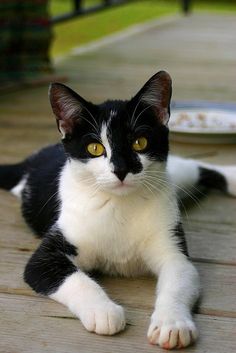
(107, 200)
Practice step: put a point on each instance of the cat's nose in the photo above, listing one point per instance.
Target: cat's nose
(121, 174)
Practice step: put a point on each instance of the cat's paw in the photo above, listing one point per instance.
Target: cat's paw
(105, 318)
(169, 333)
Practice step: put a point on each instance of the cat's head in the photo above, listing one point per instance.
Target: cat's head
(117, 145)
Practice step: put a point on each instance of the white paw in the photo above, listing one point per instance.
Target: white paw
(168, 333)
(105, 318)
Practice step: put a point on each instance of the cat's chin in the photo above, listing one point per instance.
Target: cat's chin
(121, 189)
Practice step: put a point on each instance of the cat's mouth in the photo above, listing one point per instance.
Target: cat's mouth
(119, 187)
(123, 187)
(122, 184)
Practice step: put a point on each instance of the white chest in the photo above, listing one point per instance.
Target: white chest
(110, 232)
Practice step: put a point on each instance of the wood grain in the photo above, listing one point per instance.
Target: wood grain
(200, 53)
(50, 328)
(213, 278)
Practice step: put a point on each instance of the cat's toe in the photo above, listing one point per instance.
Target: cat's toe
(175, 334)
(106, 319)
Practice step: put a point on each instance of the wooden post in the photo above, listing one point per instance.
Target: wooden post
(186, 4)
(77, 5)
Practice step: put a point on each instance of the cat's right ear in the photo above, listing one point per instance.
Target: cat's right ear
(156, 94)
(67, 107)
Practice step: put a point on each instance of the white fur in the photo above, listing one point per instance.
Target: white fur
(17, 190)
(87, 300)
(229, 173)
(127, 233)
(113, 114)
(105, 139)
(184, 174)
(178, 287)
(113, 219)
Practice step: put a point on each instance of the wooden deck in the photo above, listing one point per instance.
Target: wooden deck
(200, 54)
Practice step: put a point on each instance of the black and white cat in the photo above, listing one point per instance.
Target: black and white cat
(106, 199)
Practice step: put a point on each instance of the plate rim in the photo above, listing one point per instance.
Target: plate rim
(228, 106)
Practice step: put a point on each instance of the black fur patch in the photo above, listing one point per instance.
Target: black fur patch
(49, 265)
(180, 235)
(127, 124)
(11, 175)
(40, 202)
(212, 179)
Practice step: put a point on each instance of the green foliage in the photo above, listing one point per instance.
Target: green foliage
(215, 6)
(85, 29)
(82, 30)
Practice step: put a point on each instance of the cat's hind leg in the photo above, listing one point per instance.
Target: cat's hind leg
(188, 175)
(51, 272)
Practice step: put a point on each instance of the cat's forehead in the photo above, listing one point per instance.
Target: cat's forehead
(113, 109)
(114, 114)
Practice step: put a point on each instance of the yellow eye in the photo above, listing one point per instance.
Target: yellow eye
(95, 149)
(140, 144)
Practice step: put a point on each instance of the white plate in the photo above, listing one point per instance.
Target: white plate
(203, 125)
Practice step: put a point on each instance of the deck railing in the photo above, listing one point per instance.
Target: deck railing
(79, 9)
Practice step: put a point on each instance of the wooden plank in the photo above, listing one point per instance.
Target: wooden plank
(15, 233)
(132, 291)
(216, 209)
(12, 264)
(213, 278)
(212, 242)
(182, 48)
(28, 325)
(210, 153)
(218, 289)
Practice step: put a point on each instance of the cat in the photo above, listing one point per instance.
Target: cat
(106, 199)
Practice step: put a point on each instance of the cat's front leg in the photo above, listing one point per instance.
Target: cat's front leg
(171, 324)
(51, 272)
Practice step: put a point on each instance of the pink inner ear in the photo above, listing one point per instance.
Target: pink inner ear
(157, 92)
(65, 126)
(163, 115)
(65, 106)
(63, 101)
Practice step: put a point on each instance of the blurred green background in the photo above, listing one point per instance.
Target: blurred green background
(82, 30)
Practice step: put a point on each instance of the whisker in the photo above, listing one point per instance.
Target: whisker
(183, 206)
(136, 109)
(89, 122)
(159, 190)
(161, 172)
(95, 136)
(135, 122)
(96, 123)
(45, 204)
(164, 182)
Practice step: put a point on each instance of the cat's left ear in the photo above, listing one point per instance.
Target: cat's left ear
(156, 93)
(67, 106)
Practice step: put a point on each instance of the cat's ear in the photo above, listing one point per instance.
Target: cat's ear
(67, 107)
(156, 93)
